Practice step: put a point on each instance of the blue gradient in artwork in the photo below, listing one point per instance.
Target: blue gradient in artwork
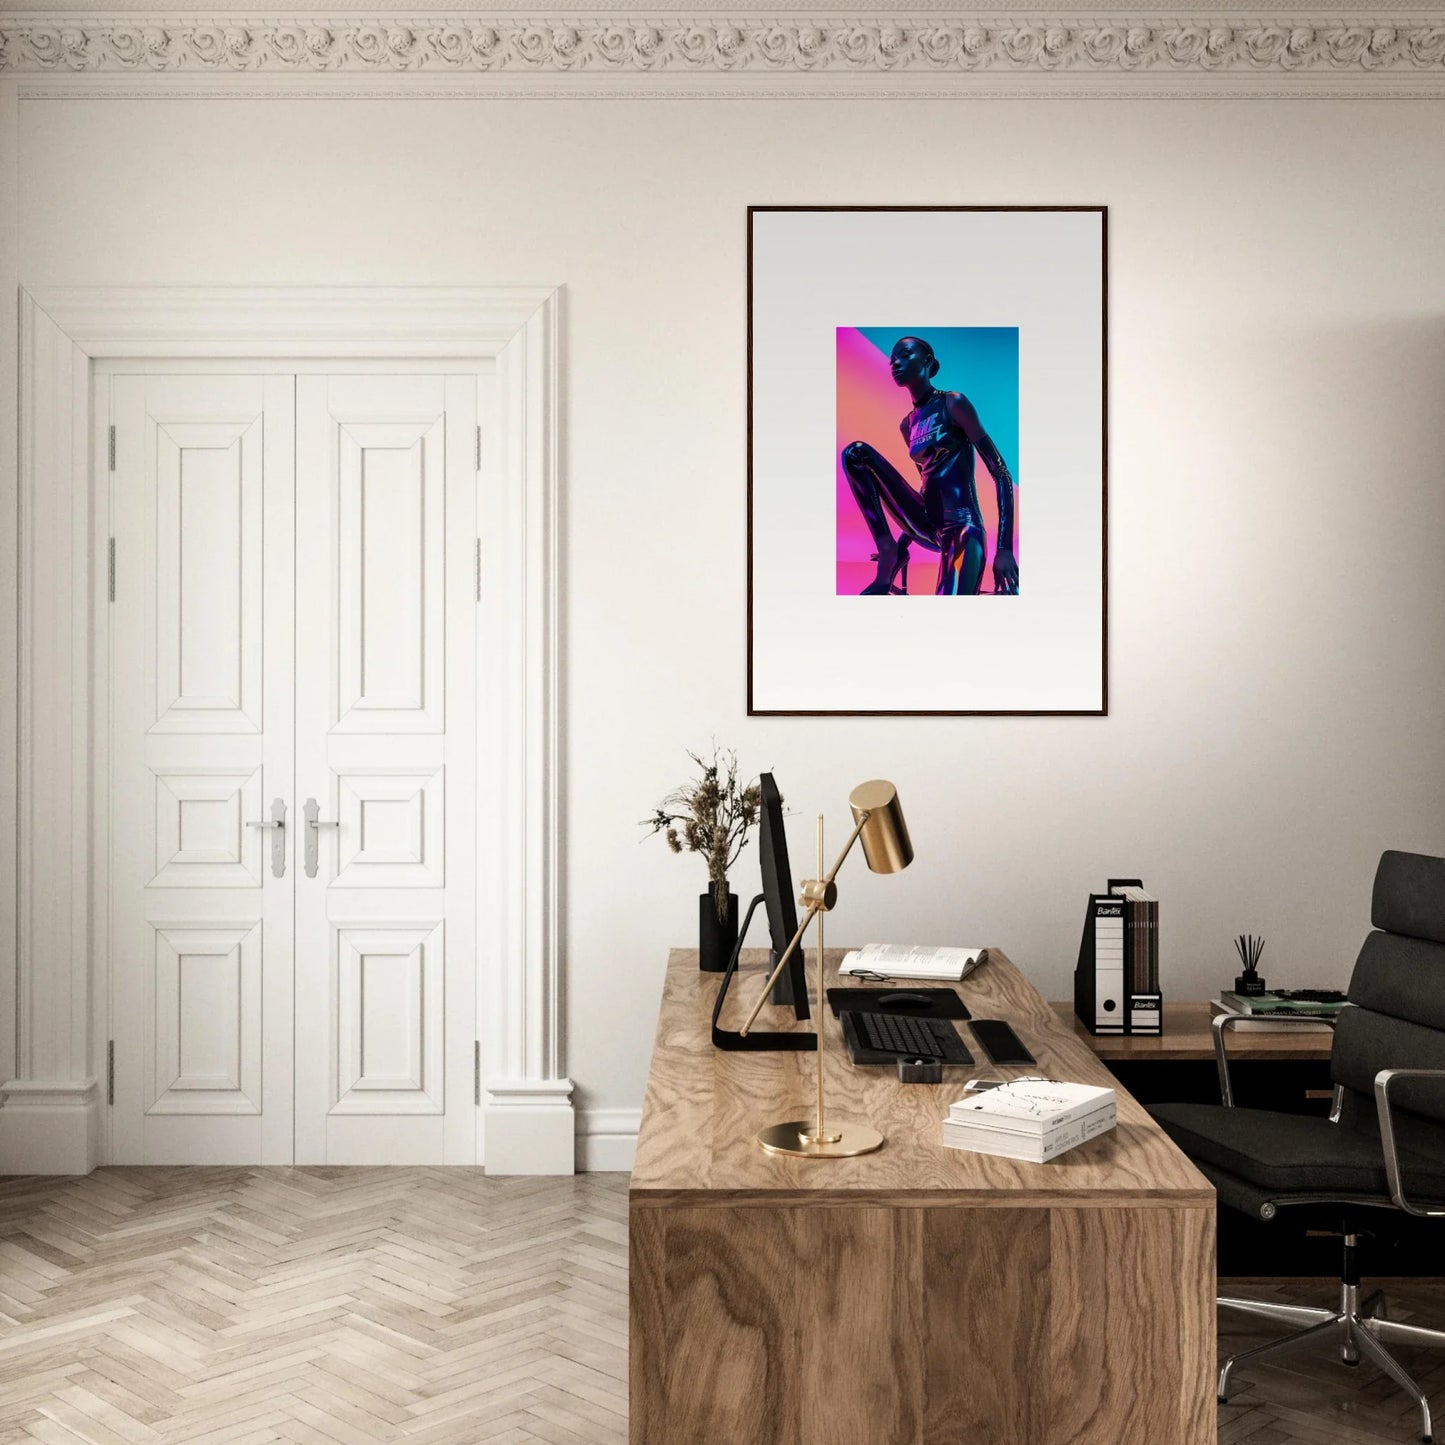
(980, 361)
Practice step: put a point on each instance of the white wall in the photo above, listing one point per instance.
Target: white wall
(1277, 489)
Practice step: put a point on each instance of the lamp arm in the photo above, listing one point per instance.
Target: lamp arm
(848, 847)
(813, 910)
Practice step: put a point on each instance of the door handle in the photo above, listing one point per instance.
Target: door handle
(277, 821)
(314, 825)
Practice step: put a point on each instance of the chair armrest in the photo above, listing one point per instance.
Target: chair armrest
(1383, 1080)
(1222, 1023)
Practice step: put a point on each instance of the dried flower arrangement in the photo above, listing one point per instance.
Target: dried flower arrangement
(711, 815)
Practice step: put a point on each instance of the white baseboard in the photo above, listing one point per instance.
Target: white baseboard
(49, 1128)
(607, 1140)
(530, 1127)
(55, 1129)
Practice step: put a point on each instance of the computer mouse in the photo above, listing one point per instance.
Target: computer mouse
(904, 1000)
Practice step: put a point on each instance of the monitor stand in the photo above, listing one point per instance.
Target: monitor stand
(758, 1040)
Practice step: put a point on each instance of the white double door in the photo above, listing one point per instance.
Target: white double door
(292, 830)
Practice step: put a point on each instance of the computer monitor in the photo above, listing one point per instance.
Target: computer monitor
(777, 899)
(791, 987)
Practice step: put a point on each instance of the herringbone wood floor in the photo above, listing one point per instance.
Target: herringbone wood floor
(346, 1306)
(322, 1306)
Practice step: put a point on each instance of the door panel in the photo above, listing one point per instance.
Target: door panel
(393, 823)
(201, 836)
(208, 1019)
(391, 572)
(201, 743)
(209, 560)
(385, 745)
(390, 1021)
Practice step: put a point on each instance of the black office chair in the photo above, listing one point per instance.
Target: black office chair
(1382, 1149)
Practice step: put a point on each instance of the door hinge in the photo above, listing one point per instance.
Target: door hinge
(110, 568)
(477, 1072)
(479, 569)
(479, 449)
(110, 1072)
(111, 445)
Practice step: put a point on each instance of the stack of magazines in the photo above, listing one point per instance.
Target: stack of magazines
(1264, 1011)
(1033, 1119)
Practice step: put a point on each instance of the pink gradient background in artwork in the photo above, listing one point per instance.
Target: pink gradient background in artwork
(870, 407)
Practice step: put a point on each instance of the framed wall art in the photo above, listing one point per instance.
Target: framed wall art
(927, 459)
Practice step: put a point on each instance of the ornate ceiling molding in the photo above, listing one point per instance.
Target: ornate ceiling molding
(836, 48)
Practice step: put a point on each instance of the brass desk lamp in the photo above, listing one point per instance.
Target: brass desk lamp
(878, 822)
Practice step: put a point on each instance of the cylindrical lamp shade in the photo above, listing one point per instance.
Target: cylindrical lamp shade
(886, 844)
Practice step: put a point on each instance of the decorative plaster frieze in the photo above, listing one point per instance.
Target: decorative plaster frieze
(838, 46)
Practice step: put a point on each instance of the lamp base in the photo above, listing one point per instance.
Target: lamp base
(844, 1141)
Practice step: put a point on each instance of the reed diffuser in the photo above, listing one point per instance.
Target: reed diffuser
(1249, 948)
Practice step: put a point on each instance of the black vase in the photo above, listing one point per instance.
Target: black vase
(716, 938)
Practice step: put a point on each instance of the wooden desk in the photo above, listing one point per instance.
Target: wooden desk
(1187, 1036)
(918, 1294)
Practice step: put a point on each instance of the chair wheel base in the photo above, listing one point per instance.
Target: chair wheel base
(1353, 1364)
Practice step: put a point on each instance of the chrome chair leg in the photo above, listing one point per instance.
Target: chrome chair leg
(1279, 1347)
(1374, 1306)
(1349, 1311)
(1373, 1350)
(1282, 1314)
(1401, 1334)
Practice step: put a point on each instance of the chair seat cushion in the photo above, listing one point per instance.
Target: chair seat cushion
(1292, 1153)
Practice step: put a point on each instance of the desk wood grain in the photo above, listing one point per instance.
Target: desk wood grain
(704, 1106)
(919, 1295)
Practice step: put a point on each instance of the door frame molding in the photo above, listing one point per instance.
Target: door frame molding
(51, 1119)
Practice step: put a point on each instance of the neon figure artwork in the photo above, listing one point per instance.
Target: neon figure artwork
(942, 433)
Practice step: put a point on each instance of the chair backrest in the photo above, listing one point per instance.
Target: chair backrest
(1397, 1020)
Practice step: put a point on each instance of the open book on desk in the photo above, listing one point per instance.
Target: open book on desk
(905, 960)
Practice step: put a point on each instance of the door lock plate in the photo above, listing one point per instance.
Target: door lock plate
(314, 824)
(277, 824)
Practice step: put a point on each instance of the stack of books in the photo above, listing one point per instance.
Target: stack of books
(1261, 1010)
(1031, 1119)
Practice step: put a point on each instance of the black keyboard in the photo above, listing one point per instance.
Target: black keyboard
(897, 1036)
